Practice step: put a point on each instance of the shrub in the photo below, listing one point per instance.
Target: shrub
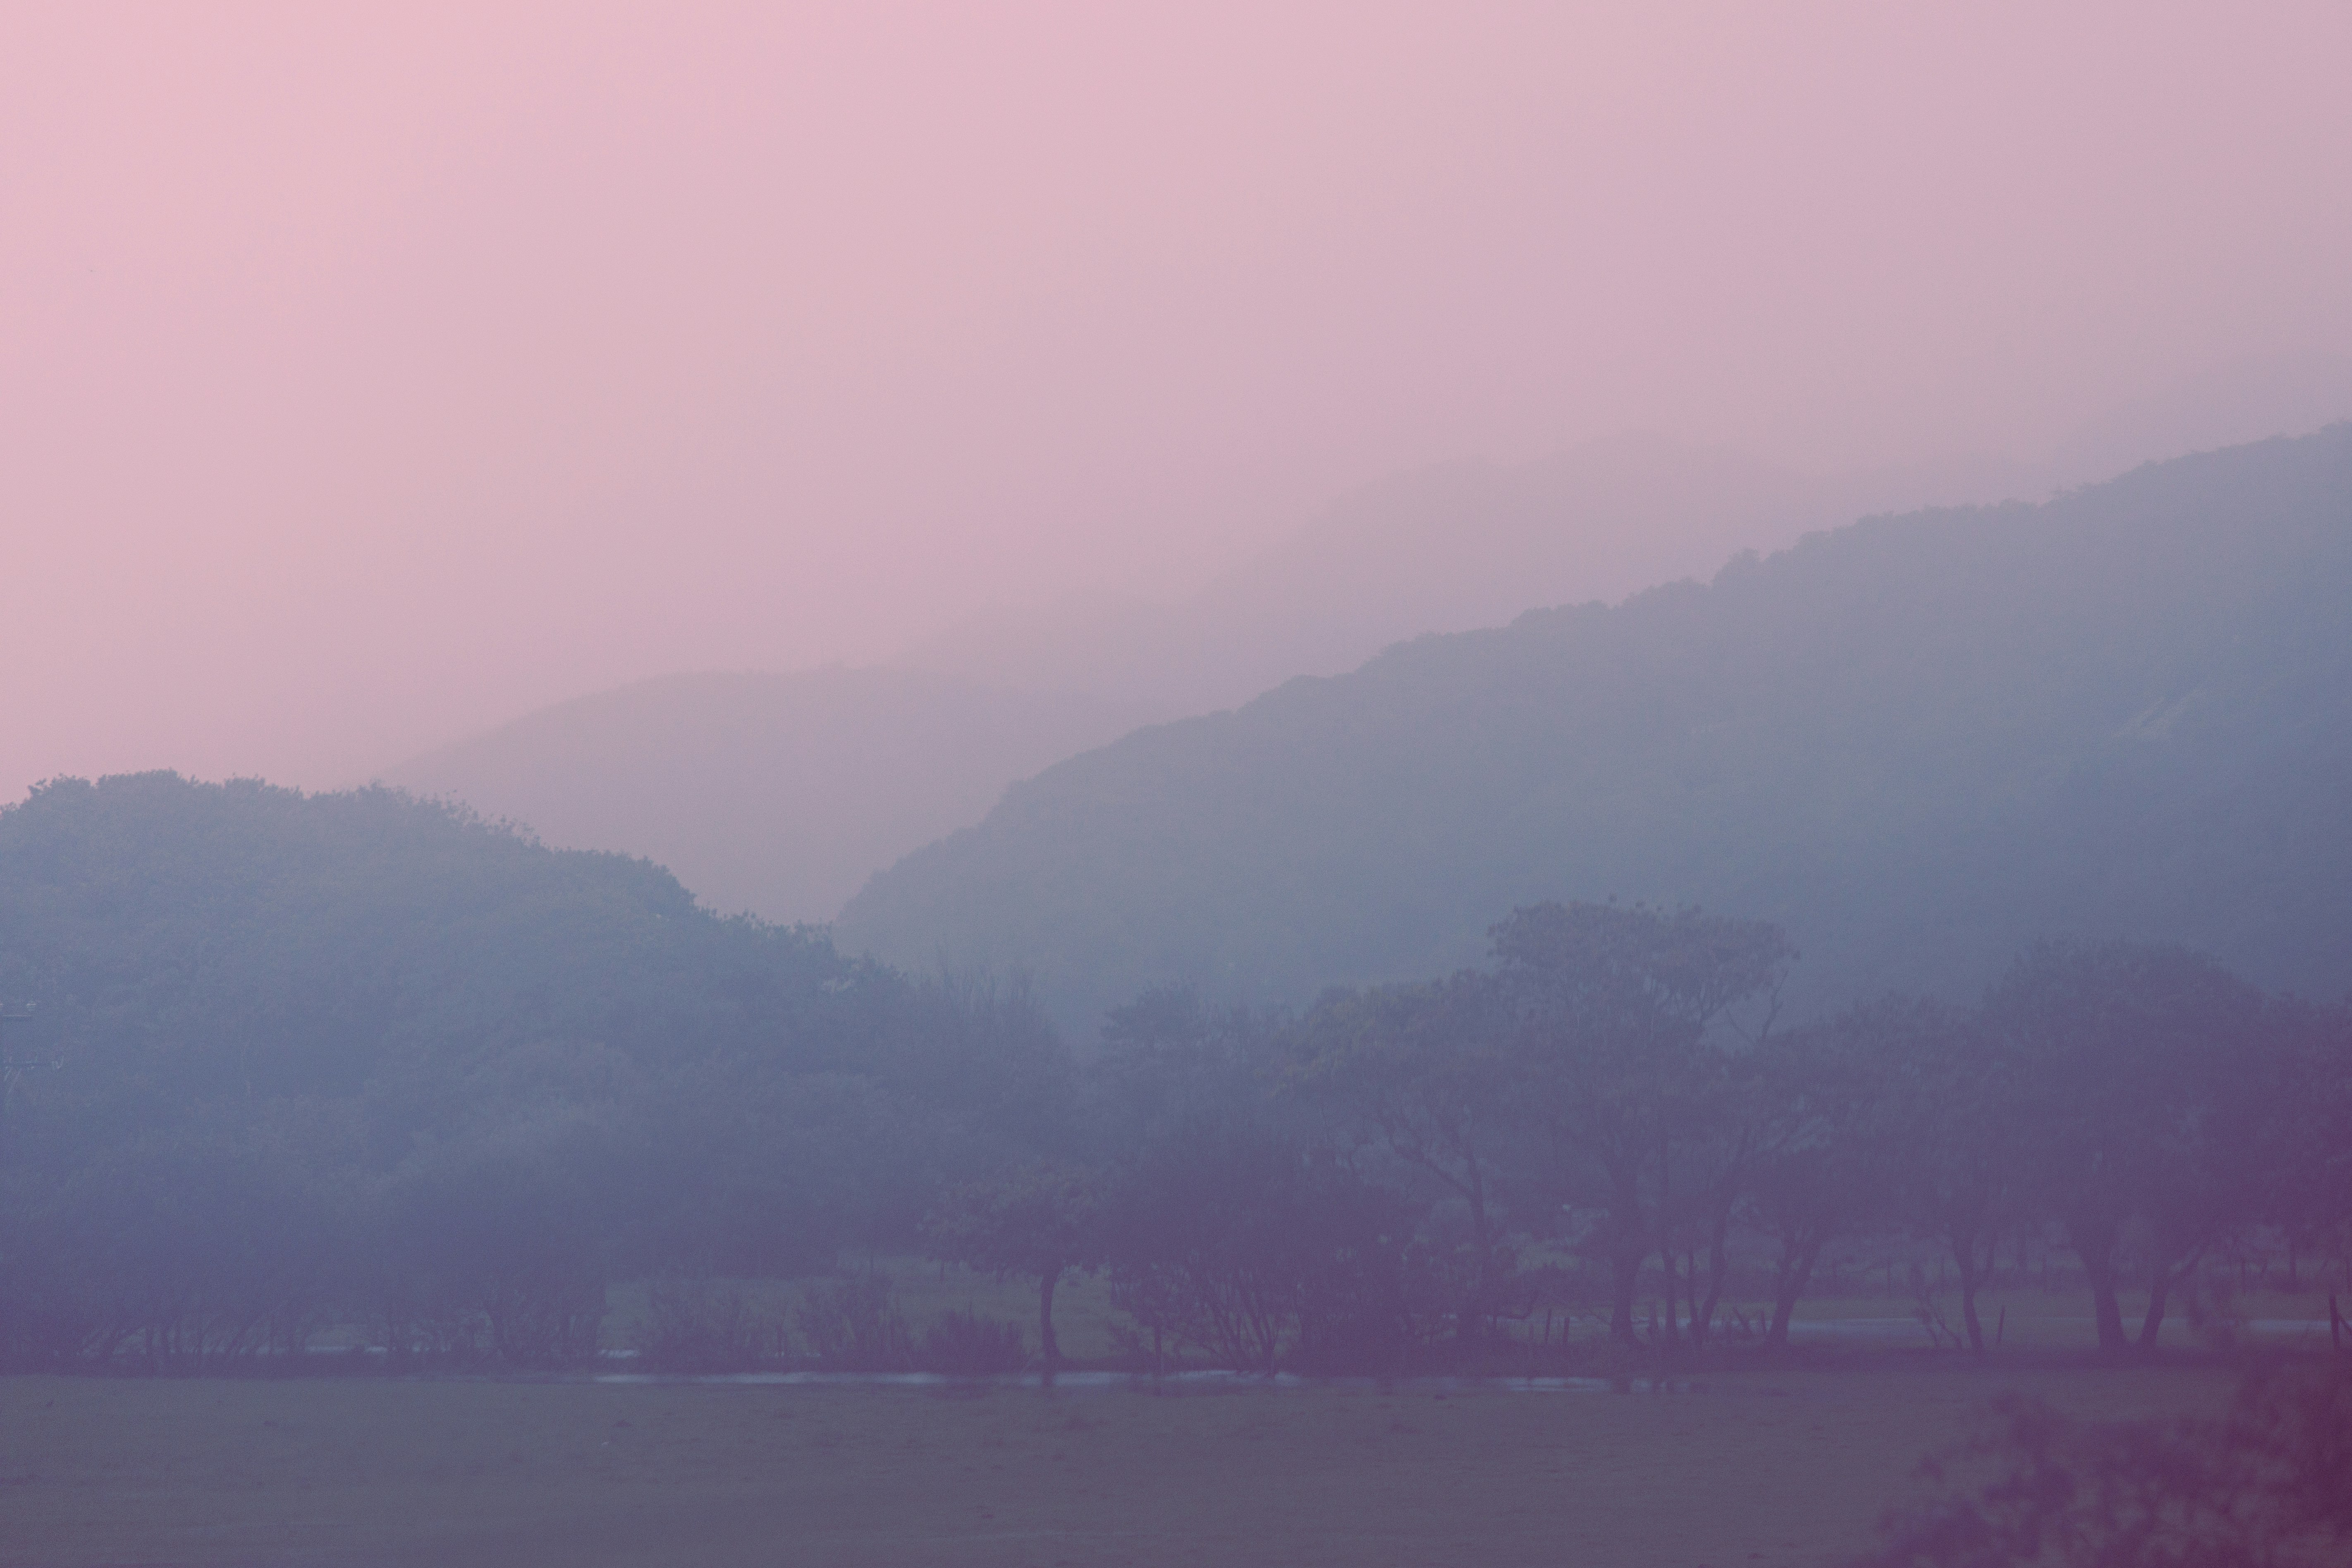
(703, 1326)
(851, 1325)
(2268, 1484)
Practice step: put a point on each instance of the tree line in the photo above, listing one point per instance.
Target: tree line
(363, 1063)
(1361, 1184)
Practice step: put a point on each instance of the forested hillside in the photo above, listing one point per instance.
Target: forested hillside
(1915, 743)
(360, 1058)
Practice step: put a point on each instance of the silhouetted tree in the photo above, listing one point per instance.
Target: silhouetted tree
(2304, 1113)
(2122, 1051)
(1037, 1221)
(1250, 1246)
(1429, 1075)
(1959, 1148)
(1168, 1063)
(1828, 1172)
(493, 1241)
(1611, 1008)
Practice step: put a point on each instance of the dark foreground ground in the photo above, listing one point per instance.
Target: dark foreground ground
(1789, 1467)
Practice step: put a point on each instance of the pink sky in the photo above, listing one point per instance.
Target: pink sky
(368, 381)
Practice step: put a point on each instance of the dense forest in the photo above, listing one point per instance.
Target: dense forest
(1915, 744)
(363, 1064)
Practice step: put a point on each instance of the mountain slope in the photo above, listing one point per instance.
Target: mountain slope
(1916, 741)
(1450, 548)
(776, 794)
(1472, 545)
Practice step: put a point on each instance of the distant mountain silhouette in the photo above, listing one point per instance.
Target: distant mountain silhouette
(1472, 544)
(1448, 549)
(1917, 741)
(781, 793)
(776, 794)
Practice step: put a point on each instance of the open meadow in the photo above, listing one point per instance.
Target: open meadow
(1788, 1465)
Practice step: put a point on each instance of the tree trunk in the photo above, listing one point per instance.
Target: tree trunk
(1047, 1346)
(1625, 1279)
(1628, 1242)
(2095, 1246)
(1715, 1267)
(1483, 1305)
(1789, 1287)
(1667, 1266)
(2159, 1292)
(1963, 1255)
(1665, 1244)
(2153, 1323)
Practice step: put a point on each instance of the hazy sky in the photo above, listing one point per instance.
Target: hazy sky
(371, 379)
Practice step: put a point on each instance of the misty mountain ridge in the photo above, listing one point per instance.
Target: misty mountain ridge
(781, 793)
(776, 794)
(1473, 543)
(1916, 741)
(1453, 547)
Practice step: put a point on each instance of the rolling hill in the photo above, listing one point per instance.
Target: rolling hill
(1916, 741)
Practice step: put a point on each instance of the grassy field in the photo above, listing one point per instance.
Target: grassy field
(1755, 1467)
